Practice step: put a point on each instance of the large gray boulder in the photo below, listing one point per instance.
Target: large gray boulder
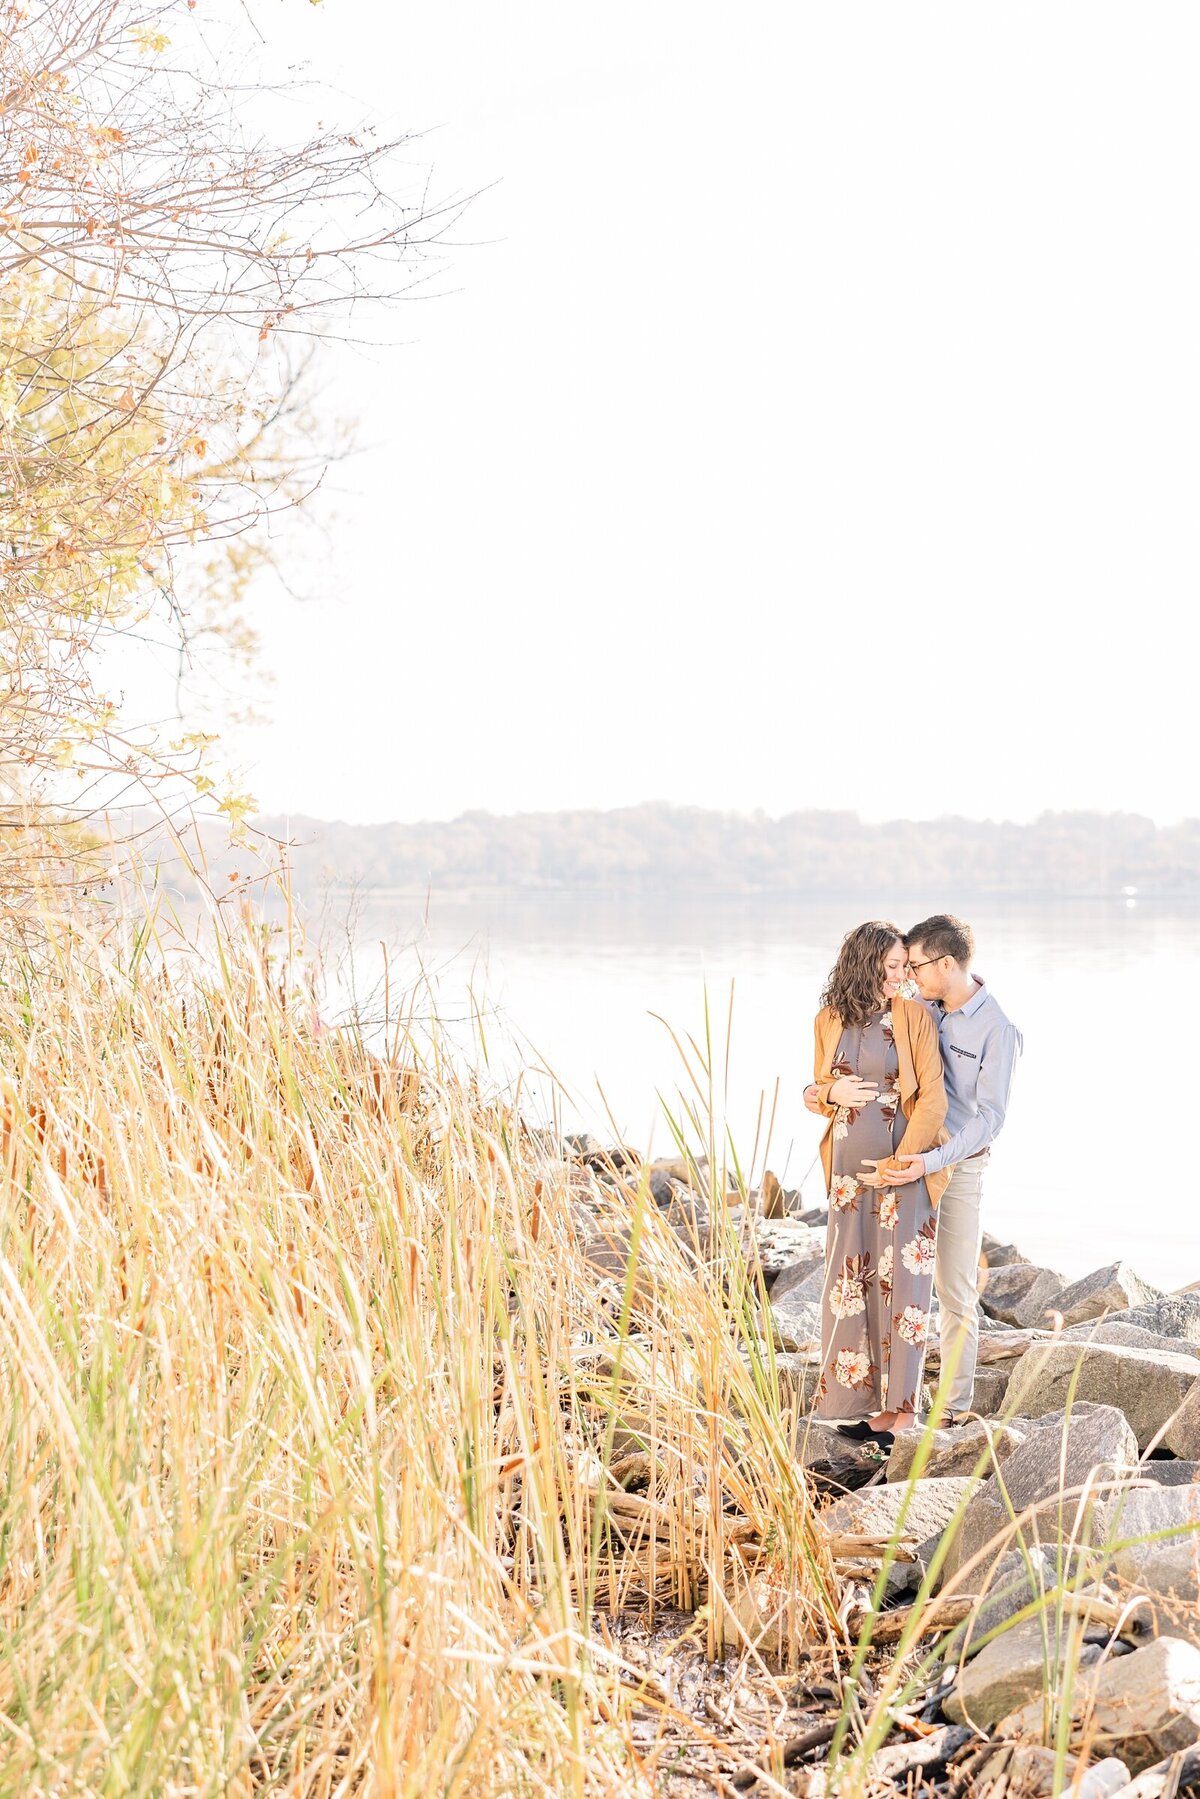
(996, 1327)
(1065, 1451)
(957, 1451)
(991, 1386)
(1140, 1707)
(1182, 1435)
(1021, 1294)
(876, 1512)
(1155, 1538)
(788, 1251)
(1003, 1286)
(1111, 1289)
(1169, 1473)
(995, 1254)
(1000, 1349)
(796, 1313)
(1172, 1315)
(1008, 1672)
(1003, 1343)
(794, 1306)
(799, 1268)
(1128, 1336)
(1020, 1578)
(1058, 1454)
(1148, 1386)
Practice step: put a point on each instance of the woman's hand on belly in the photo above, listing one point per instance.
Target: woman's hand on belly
(849, 1091)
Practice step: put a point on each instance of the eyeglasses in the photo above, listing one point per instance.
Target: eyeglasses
(928, 963)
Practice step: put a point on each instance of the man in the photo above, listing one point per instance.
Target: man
(979, 1052)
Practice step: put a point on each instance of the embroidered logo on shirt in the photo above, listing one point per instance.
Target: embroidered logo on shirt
(963, 1052)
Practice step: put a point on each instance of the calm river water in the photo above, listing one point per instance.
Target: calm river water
(592, 989)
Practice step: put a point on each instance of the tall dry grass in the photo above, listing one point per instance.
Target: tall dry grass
(326, 1447)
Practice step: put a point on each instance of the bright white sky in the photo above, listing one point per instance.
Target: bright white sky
(810, 417)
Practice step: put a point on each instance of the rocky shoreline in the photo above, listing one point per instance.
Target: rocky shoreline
(1042, 1559)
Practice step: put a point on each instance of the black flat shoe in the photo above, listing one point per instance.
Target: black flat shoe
(858, 1432)
(886, 1440)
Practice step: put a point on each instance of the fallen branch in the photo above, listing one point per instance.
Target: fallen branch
(934, 1615)
(794, 1750)
(847, 1548)
(931, 1753)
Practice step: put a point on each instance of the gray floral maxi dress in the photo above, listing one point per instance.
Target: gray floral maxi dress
(879, 1250)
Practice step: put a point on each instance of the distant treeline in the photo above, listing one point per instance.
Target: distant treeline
(661, 848)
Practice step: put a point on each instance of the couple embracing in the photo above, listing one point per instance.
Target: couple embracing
(915, 1091)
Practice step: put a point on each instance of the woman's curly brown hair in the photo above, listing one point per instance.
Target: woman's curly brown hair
(855, 983)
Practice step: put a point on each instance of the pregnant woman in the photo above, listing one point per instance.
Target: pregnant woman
(879, 1082)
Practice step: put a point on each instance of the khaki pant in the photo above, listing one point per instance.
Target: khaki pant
(956, 1278)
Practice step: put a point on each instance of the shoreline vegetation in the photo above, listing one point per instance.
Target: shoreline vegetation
(360, 1436)
(658, 849)
(366, 1437)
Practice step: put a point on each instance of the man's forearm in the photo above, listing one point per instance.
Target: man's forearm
(975, 1135)
(979, 1132)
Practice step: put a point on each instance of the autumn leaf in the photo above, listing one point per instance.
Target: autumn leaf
(237, 807)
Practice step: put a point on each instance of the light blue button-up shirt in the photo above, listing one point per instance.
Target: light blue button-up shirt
(979, 1052)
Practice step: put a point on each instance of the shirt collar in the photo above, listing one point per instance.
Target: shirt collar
(973, 1004)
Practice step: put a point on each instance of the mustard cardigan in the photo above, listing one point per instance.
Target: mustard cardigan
(922, 1085)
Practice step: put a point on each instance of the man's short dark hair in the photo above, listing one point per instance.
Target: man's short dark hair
(943, 935)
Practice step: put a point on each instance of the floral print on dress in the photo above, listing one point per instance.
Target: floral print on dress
(848, 1295)
(913, 1325)
(918, 1256)
(853, 1368)
(845, 1116)
(875, 1315)
(843, 1195)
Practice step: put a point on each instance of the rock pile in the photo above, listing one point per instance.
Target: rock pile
(1067, 1509)
(1044, 1556)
